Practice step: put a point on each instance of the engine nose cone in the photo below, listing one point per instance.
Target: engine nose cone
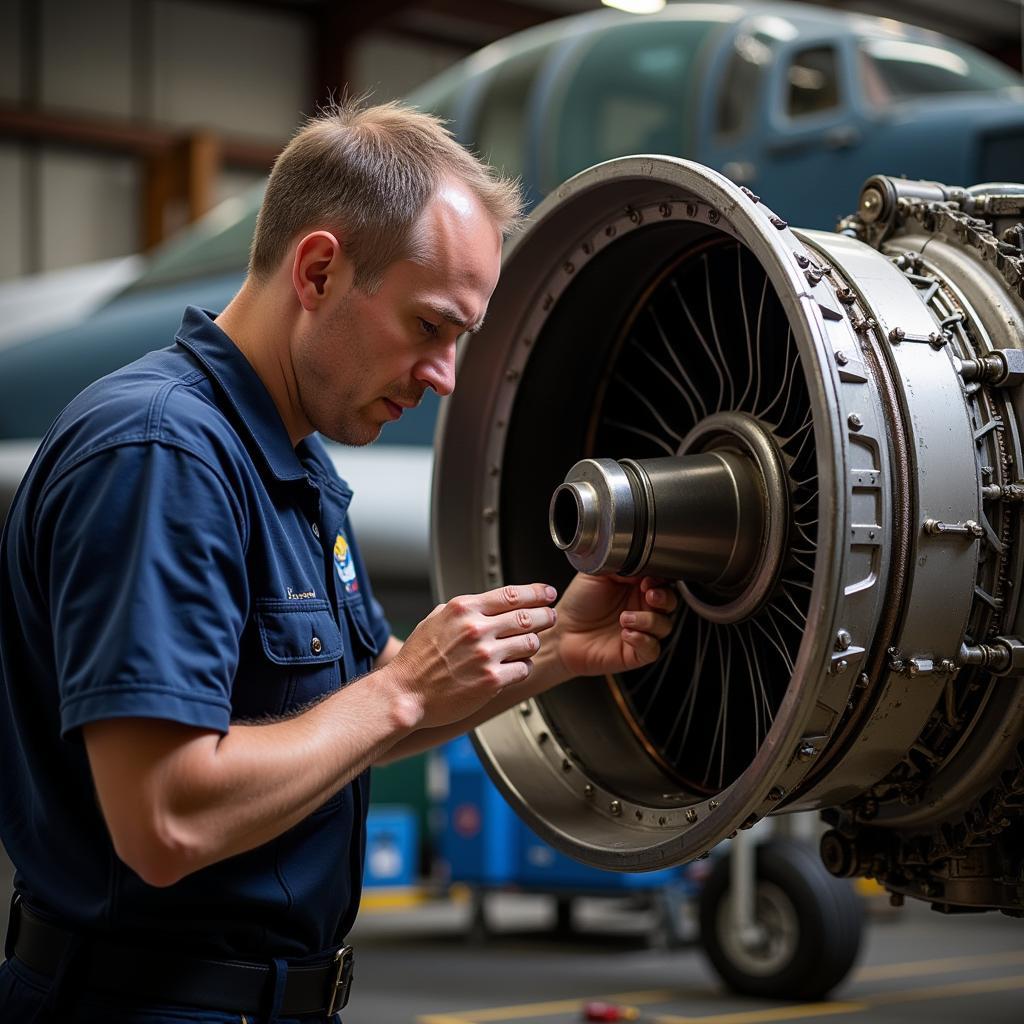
(692, 517)
(713, 519)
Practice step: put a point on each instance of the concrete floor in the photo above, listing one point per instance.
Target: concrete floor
(419, 966)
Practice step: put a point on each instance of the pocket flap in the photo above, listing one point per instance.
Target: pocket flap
(298, 632)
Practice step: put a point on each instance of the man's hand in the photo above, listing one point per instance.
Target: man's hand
(466, 652)
(612, 623)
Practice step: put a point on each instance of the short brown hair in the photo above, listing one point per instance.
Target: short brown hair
(371, 172)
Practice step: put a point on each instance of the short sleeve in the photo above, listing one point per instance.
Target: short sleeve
(142, 548)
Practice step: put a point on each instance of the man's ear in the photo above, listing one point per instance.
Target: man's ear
(319, 265)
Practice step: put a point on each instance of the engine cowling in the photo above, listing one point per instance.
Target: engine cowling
(818, 437)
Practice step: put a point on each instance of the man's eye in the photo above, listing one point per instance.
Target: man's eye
(428, 327)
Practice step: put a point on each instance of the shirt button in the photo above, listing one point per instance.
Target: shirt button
(316, 531)
(315, 646)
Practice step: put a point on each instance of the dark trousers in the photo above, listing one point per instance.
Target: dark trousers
(24, 992)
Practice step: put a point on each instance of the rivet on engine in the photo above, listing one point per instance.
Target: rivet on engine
(947, 665)
(801, 260)
(846, 296)
(714, 216)
(854, 421)
(638, 814)
(665, 209)
(937, 339)
(806, 751)
(549, 301)
(568, 267)
(779, 223)
(896, 335)
(587, 248)
(712, 805)
(489, 515)
(841, 357)
(610, 231)
(776, 793)
(862, 681)
(511, 375)
(588, 791)
(542, 737)
(663, 820)
(615, 807)
(634, 215)
(840, 666)
(750, 195)
(750, 822)
(691, 816)
(525, 710)
(691, 209)
(566, 765)
(843, 640)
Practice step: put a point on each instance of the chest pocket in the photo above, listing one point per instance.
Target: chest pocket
(364, 647)
(303, 640)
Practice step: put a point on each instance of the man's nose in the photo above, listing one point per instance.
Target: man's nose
(438, 372)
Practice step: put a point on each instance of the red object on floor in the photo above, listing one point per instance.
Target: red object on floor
(609, 1011)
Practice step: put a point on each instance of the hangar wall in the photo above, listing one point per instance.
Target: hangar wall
(177, 64)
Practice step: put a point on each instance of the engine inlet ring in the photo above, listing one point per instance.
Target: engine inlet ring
(513, 437)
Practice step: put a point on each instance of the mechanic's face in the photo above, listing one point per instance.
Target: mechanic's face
(371, 356)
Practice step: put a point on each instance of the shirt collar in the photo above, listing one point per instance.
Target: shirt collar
(243, 389)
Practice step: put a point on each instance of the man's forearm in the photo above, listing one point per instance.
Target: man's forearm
(206, 797)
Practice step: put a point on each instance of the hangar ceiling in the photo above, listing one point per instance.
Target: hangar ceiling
(993, 25)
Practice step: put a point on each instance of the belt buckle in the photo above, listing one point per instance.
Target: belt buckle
(341, 984)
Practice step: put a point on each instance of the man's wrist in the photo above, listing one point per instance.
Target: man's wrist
(548, 665)
(404, 709)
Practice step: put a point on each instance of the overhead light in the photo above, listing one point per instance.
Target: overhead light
(636, 6)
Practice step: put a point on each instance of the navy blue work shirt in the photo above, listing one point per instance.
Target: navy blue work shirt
(170, 555)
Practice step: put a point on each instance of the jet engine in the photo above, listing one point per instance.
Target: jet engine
(818, 438)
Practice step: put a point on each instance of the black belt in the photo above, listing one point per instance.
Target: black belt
(229, 985)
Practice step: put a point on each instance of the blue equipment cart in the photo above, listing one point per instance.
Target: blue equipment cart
(486, 847)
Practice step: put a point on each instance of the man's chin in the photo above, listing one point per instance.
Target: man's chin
(354, 438)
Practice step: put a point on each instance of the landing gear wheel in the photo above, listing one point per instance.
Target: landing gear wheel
(810, 926)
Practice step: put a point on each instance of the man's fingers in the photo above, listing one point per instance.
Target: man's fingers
(516, 648)
(512, 596)
(646, 646)
(653, 623)
(658, 595)
(523, 620)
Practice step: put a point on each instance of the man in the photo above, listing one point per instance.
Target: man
(195, 674)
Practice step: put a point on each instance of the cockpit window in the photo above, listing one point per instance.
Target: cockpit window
(812, 81)
(500, 126)
(629, 93)
(751, 57)
(895, 69)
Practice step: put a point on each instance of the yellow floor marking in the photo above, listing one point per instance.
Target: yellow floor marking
(399, 898)
(952, 963)
(780, 1013)
(959, 988)
(549, 1009)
